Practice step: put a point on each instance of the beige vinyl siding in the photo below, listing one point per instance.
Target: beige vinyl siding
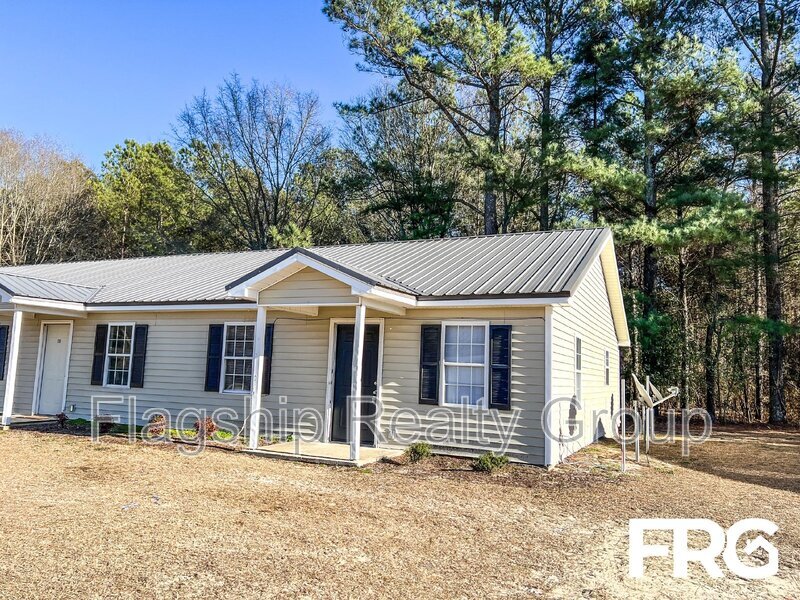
(299, 371)
(26, 367)
(588, 316)
(176, 362)
(400, 388)
(308, 287)
(175, 366)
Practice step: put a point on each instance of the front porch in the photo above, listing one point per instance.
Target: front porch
(304, 285)
(36, 347)
(26, 420)
(330, 453)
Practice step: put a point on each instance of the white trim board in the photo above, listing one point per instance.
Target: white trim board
(549, 442)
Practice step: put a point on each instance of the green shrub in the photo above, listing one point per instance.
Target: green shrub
(223, 435)
(489, 462)
(418, 451)
(185, 434)
(290, 438)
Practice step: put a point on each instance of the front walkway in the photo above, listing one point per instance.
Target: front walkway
(327, 454)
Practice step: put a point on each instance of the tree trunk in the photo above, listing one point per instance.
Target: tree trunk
(629, 284)
(772, 247)
(650, 266)
(490, 175)
(710, 360)
(757, 358)
(684, 374)
(710, 371)
(547, 130)
(544, 188)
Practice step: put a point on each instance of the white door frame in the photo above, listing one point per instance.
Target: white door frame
(332, 369)
(37, 382)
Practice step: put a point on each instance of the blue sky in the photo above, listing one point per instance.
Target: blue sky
(88, 74)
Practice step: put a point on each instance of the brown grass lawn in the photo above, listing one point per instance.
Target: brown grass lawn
(128, 521)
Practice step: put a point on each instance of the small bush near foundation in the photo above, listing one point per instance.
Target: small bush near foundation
(418, 451)
(205, 428)
(155, 426)
(62, 420)
(223, 436)
(490, 462)
(290, 438)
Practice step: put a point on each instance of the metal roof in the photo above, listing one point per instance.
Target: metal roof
(32, 287)
(523, 264)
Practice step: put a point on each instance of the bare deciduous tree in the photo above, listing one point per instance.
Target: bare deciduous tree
(46, 209)
(249, 150)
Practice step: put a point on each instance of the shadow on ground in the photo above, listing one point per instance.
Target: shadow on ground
(755, 455)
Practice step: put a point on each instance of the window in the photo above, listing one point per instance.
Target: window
(119, 352)
(237, 358)
(578, 368)
(608, 367)
(465, 357)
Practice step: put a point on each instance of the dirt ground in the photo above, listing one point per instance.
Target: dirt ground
(90, 520)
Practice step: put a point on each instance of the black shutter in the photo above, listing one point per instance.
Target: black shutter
(99, 362)
(3, 350)
(214, 357)
(139, 352)
(500, 358)
(265, 386)
(430, 349)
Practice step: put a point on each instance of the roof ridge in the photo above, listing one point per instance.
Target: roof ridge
(136, 258)
(459, 237)
(456, 238)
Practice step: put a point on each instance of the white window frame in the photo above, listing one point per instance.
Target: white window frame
(444, 364)
(579, 368)
(225, 357)
(127, 384)
(607, 370)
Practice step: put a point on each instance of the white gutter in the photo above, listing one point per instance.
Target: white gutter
(45, 305)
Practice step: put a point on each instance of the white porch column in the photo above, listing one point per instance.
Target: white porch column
(11, 372)
(258, 377)
(355, 385)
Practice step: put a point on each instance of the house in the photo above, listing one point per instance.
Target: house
(473, 335)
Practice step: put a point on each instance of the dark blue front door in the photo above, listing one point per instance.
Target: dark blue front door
(344, 377)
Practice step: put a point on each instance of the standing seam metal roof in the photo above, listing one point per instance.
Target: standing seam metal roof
(529, 264)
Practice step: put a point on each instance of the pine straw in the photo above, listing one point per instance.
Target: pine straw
(113, 519)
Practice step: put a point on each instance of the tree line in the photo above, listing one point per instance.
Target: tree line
(675, 122)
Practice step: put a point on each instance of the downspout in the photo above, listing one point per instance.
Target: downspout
(549, 424)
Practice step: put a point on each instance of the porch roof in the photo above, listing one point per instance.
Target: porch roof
(44, 289)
